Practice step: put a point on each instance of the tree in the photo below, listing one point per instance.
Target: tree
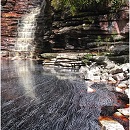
(93, 5)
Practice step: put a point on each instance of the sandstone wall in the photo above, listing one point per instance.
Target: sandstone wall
(11, 15)
(60, 31)
(86, 29)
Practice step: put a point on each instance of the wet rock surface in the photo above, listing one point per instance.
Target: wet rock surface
(13, 12)
(110, 124)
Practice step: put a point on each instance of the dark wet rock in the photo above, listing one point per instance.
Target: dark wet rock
(120, 50)
(122, 101)
(108, 110)
(100, 60)
(119, 76)
(120, 59)
(122, 98)
(3, 2)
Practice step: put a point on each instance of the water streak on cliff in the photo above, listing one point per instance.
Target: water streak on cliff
(26, 30)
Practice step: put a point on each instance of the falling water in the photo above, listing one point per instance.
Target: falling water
(26, 30)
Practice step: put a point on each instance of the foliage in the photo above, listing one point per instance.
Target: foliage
(99, 42)
(99, 39)
(107, 40)
(76, 5)
(87, 57)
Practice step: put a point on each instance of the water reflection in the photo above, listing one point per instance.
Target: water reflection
(26, 78)
(17, 79)
(22, 77)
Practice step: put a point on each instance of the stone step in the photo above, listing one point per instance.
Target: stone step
(48, 63)
(54, 59)
(63, 61)
(66, 57)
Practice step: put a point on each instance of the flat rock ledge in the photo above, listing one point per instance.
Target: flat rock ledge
(109, 124)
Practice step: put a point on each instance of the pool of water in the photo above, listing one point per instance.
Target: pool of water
(38, 98)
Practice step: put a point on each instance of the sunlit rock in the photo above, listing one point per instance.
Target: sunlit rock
(111, 124)
(125, 111)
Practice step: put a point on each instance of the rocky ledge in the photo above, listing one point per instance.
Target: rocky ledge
(102, 69)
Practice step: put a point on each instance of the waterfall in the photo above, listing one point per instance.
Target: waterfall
(26, 28)
(26, 31)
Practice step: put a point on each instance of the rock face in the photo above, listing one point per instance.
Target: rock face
(13, 12)
(120, 54)
(43, 28)
(62, 31)
(64, 61)
(85, 30)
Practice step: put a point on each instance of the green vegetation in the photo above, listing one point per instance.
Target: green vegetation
(86, 58)
(99, 42)
(94, 5)
(107, 40)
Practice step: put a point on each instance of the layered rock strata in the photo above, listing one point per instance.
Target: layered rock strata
(87, 30)
(62, 31)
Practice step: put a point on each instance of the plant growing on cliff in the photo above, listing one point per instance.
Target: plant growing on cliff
(98, 41)
(93, 5)
(107, 40)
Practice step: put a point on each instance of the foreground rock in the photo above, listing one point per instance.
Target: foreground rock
(110, 124)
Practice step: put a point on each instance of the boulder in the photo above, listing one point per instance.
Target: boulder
(120, 59)
(111, 124)
(122, 85)
(119, 76)
(116, 71)
(124, 111)
(111, 80)
(125, 66)
(120, 50)
(127, 92)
